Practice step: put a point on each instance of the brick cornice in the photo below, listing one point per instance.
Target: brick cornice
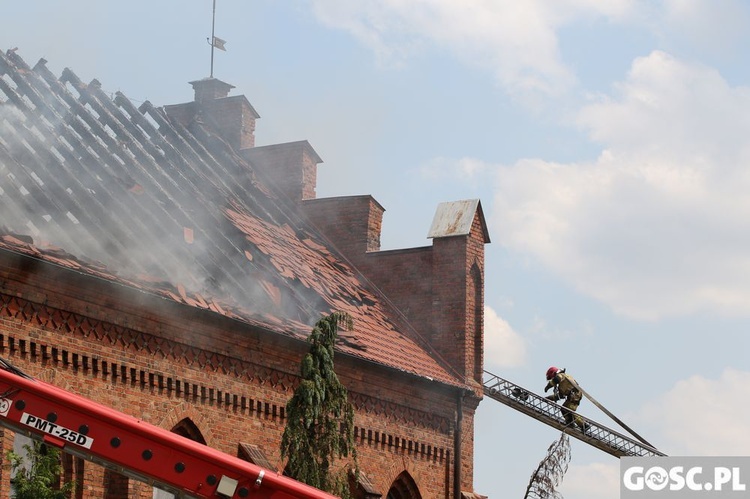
(145, 344)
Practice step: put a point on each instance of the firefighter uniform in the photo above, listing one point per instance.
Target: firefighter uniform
(566, 388)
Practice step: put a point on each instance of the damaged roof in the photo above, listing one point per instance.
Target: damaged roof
(92, 183)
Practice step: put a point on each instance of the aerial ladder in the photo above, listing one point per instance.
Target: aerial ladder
(548, 412)
(133, 447)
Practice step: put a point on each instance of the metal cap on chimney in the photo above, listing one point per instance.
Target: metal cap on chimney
(210, 89)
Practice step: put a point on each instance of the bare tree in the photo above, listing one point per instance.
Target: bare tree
(550, 472)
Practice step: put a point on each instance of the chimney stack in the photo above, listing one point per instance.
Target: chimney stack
(209, 89)
(291, 168)
(232, 118)
(351, 223)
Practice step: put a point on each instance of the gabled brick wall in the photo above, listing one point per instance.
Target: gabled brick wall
(438, 288)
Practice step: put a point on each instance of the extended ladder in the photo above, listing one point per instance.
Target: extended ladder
(548, 412)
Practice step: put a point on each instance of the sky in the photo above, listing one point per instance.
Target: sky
(607, 142)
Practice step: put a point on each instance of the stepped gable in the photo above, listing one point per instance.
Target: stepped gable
(92, 183)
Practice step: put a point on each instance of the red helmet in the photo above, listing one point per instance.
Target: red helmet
(551, 372)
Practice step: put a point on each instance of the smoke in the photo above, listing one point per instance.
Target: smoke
(91, 180)
(79, 183)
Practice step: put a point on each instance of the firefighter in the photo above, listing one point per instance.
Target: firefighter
(565, 387)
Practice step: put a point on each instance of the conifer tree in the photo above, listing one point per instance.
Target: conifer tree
(38, 474)
(320, 418)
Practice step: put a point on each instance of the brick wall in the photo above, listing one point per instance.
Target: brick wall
(233, 118)
(168, 363)
(351, 223)
(439, 289)
(292, 168)
(475, 303)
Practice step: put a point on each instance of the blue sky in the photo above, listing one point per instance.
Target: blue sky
(607, 142)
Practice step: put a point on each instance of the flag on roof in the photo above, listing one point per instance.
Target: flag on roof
(219, 43)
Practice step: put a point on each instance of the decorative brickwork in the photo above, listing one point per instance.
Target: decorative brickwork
(64, 365)
(103, 332)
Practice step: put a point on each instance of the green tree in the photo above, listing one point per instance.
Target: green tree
(37, 475)
(320, 418)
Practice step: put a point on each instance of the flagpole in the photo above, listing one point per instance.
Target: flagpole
(213, 38)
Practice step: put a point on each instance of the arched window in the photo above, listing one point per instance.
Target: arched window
(404, 488)
(187, 429)
(478, 310)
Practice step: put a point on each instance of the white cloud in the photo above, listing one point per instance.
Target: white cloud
(466, 170)
(671, 110)
(516, 41)
(703, 416)
(503, 346)
(659, 224)
(706, 26)
(591, 481)
(519, 42)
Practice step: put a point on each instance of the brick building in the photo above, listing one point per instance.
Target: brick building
(156, 260)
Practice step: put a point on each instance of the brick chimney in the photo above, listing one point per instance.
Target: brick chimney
(233, 117)
(209, 89)
(291, 168)
(351, 223)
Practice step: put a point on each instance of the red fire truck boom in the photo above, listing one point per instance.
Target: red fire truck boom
(134, 447)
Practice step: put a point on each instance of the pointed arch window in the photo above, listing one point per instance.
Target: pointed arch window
(187, 429)
(404, 487)
(478, 324)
